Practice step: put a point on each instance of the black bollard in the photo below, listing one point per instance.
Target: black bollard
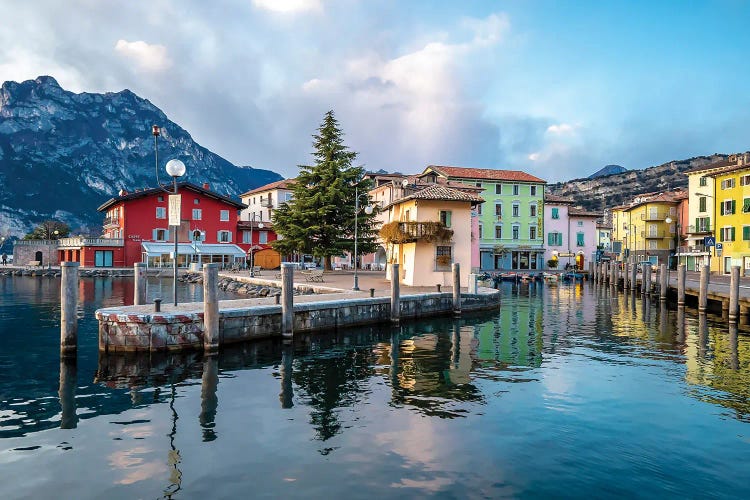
(157, 305)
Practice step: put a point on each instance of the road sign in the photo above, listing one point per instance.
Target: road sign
(719, 246)
(175, 202)
(709, 241)
(718, 252)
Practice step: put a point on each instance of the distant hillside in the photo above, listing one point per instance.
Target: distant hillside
(608, 170)
(615, 189)
(62, 154)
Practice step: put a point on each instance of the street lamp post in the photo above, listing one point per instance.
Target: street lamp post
(627, 234)
(368, 211)
(175, 168)
(53, 237)
(714, 216)
(252, 261)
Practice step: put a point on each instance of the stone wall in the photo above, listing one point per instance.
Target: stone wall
(24, 251)
(120, 331)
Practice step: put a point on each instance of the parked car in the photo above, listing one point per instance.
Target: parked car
(640, 265)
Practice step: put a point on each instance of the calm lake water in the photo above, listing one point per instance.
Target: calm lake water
(566, 391)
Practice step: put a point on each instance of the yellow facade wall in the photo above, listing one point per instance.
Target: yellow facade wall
(735, 252)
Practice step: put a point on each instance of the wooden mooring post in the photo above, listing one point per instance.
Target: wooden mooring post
(211, 307)
(663, 284)
(703, 290)
(395, 301)
(456, 269)
(634, 277)
(734, 295)
(646, 280)
(69, 308)
(139, 272)
(681, 278)
(287, 300)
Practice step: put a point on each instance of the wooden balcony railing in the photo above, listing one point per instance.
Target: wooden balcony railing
(409, 232)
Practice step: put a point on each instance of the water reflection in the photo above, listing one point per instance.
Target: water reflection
(209, 398)
(67, 392)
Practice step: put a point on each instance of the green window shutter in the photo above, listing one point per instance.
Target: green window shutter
(746, 205)
(732, 238)
(746, 233)
(559, 239)
(579, 239)
(721, 235)
(733, 206)
(697, 223)
(448, 219)
(550, 239)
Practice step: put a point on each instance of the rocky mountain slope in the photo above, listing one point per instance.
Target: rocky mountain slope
(615, 189)
(62, 154)
(608, 170)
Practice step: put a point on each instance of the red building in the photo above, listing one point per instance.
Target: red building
(136, 229)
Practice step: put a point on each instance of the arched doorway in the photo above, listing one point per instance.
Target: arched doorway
(39, 257)
(380, 258)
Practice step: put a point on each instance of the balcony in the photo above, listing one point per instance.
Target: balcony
(655, 216)
(654, 234)
(701, 229)
(266, 203)
(80, 241)
(698, 248)
(410, 232)
(111, 221)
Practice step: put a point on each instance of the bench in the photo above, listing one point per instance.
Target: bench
(34, 263)
(314, 275)
(257, 270)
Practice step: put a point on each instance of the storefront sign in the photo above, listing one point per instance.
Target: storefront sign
(175, 202)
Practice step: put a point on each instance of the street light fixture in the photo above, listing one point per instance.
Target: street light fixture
(54, 238)
(175, 168)
(368, 211)
(252, 260)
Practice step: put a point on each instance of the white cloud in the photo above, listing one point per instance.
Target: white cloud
(289, 6)
(534, 156)
(490, 30)
(561, 129)
(147, 57)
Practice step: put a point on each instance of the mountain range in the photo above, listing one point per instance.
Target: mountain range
(608, 170)
(62, 154)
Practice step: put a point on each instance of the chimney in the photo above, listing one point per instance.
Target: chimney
(746, 158)
(206, 186)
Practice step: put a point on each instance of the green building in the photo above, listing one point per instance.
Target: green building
(510, 232)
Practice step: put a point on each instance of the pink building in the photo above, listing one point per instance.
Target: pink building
(571, 234)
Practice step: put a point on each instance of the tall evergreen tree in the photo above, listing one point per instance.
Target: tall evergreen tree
(319, 220)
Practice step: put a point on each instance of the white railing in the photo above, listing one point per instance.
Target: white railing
(80, 241)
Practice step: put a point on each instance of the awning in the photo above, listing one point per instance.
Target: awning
(219, 249)
(165, 248)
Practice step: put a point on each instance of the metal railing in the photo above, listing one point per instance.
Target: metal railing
(111, 221)
(34, 242)
(80, 241)
(266, 202)
(693, 229)
(698, 248)
(653, 234)
(654, 216)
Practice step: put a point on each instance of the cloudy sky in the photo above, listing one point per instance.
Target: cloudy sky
(555, 88)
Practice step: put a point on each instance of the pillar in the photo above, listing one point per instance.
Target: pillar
(703, 291)
(139, 271)
(734, 295)
(456, 269)
(634, 277)
(69, 308)
(473, 283)
(395, 298)
(681, 276)
(626, 276)
(211, 307)
(646, 279)
(287, 300)
(663, 284)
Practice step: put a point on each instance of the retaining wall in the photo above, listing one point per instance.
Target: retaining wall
(121, 331)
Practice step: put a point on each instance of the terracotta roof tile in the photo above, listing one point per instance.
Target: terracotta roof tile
(282, 184)
(579, 212)
(551, 198)
(485, 173)
(437, 192)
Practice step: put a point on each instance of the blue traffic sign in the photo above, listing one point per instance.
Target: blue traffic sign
(719, 246)
(709, 241)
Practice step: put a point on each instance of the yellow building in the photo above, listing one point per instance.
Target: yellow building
(426, 228)
(646, 229)
(732, 208)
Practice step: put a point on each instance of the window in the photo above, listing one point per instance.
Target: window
(580, 223)
(653, 245)
(445, 217)
(515, 210)
(746, 233)
(263, 237)
(288, 196)
(479, 209)
(478, 184)
(555, 213)
(498, 232)
(672, 211)
(499, 210)
(727, 233)
(532, 210)
(161, 212)
(554, 239)
(579, 240)
(532, 232)
(224, 236)
(246, 237)
(197, 214)
(406, 215)
(702, 181)
(727, 207)
(515, 232)
(480, 234)
(702, 224)
(745, 180)
(196, 201)
(224, 215)
(702, 203)
(515, 189)
(161, 197)
(198, 235)
(160, 235)
(532, 190)
(727, 183)
(746, 205)
(103, 258)
(498, 189)
(443, 258)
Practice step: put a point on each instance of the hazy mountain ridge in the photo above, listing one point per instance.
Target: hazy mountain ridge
(611, 190)
(61, 151)
(608, 170)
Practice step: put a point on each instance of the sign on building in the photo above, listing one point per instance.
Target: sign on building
(175, 202)
(709, 241)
